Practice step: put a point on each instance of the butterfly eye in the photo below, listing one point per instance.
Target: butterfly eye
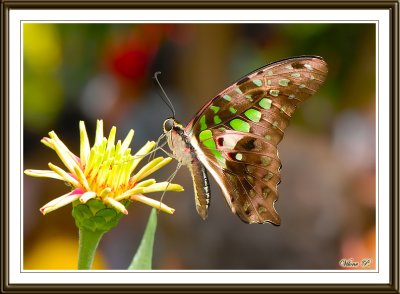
(168, 124)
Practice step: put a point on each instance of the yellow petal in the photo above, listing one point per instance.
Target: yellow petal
(85, 145)
(60, 201)
(81, 177)
(145, 183)
(105, 192)
(127, 142)
(64, 153)
(66, 177)
(141, 154)
(111, 138)
(48, 142)
(163, 186)
(145, 168)
(130, 192)
(151, 167)
(153, 203)
(116, 205)
(99, 132)
(87, 196)
(43, 174)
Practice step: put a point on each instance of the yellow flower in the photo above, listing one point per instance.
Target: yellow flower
(104, 172)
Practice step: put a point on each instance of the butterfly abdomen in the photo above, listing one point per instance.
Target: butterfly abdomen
(202, 193)
(185, 153)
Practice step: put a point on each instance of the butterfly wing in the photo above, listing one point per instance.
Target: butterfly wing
(247, 170)
(237, 132)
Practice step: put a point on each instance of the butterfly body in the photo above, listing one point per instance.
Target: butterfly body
(235, 136)
(186, 154)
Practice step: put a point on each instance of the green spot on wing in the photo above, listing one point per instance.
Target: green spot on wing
(217, 119)
(238, 91)
(240, 125)
(265, 103)
(274, 92)
(249, 97)
(203, 124)
(284, 82)
(204, 135)
(261, 209)
(210, 143)
(265, 192)
(214, 108)
(257, 82)
(227, 97)
(265, 160)
(232, 109)
(219, 157)
(253, 115)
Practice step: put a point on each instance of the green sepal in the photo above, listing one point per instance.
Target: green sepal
(94, 215)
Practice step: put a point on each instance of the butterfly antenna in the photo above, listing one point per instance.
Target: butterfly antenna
(165, 97)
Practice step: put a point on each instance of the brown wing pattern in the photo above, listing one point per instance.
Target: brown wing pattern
(248, 174)
(237, 133)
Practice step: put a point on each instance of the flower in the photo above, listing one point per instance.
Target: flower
(104, 172)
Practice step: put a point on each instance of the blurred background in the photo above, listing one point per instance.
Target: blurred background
(327, 198)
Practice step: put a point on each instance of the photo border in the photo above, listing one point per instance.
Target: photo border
(392, 287)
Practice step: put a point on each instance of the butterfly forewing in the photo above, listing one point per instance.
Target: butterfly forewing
(237, 132)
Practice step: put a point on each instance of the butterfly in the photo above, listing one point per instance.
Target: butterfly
(235, 136)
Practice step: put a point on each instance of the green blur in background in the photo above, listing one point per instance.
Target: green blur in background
(327, 201)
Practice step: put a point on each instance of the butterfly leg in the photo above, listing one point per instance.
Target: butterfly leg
(152, 153)
(158, 146)
(169, 180)
(168, 153)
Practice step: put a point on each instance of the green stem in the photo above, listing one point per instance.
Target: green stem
(88, 242)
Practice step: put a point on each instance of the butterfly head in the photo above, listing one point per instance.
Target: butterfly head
(168, 124)
(171, 124)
